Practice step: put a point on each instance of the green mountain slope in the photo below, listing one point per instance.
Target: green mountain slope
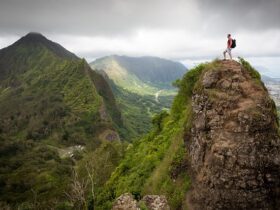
(142, 86)
(142, 75)
(137, 110)
(155, 164)
(54, 110)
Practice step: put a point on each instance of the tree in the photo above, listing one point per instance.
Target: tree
(78, 190)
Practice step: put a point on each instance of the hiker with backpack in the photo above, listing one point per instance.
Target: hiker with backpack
(231, 43)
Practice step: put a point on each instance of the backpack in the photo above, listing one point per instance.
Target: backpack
(233, 45)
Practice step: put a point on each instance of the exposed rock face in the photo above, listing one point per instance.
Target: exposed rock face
(125, 202)
(234, 145)
(156, 202)
(109, 135)
(152, 202)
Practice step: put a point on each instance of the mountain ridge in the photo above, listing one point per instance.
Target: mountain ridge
(186, 160)
(55, 113)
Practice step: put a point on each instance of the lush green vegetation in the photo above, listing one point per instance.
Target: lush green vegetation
(142, 87)
(137, 169)
(50, 103)
(156, 164)
(137, 111)
(253, 72)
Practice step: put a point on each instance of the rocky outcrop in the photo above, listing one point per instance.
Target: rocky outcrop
(156, 202)
(151, 202)
(125, 202)
(109, 135)
(234, 144)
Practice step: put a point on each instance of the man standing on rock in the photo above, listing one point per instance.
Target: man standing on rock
(228, 50)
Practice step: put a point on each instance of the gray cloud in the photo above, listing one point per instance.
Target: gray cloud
(241, 14)
(114, 17)
(174, 29)
(90, 17)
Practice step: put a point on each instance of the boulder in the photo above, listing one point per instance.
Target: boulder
(125, 202)
(156, 202)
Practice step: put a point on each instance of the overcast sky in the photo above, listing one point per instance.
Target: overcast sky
(189, 31)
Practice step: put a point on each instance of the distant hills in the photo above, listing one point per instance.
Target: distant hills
(273, 86)
(141, 85)
(141, 75)
(266, 78)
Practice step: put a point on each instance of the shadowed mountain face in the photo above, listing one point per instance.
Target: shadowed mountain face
(50, 102)
(152, 69)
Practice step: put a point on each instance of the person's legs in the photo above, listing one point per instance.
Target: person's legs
(229, 52)
(225, 54)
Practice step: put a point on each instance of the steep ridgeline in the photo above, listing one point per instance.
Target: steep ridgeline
(51, 102)
(234, 145)
(40, 78)
(218, 148)
(142, 86)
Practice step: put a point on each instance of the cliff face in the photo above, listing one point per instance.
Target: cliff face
(233, 146)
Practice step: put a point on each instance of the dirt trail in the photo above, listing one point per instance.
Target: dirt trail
(157, 95)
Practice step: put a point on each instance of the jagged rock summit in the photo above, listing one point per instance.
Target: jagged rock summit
(233, 146)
